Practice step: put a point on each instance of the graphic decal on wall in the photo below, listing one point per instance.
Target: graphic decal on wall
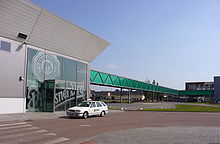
(32, 97)
(45, 66)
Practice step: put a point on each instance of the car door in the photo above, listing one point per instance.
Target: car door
(99, 108)
(92, 108)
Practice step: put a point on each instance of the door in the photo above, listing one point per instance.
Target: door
(99, 108)
(92, 108)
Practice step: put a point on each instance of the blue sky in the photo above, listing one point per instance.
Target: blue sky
(170, 41)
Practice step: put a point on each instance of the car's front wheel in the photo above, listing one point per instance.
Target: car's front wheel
(85, 115)
(102, 114)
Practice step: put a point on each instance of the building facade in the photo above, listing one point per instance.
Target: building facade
(217, 89)
(44, 59)
(199, 86)
(202, 91)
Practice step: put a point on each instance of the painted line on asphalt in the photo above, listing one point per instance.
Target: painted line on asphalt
(13, 127)
(85, 125)
(18, 130)
(11, 124)
(51, 134)
(57, 140)
(22, 134)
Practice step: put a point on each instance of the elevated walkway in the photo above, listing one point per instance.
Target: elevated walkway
(110, 80)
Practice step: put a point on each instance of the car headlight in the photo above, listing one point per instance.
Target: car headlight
(78, 111)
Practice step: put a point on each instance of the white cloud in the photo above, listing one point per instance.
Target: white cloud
(111, 66)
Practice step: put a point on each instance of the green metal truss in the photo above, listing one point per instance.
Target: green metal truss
(105, 79)
(196, 92)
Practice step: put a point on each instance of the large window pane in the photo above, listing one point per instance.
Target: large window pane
(81, 81)
(69, 78)
(60, 95)
(69, 70)
(35, 79)
(81, 72)
(53, 66)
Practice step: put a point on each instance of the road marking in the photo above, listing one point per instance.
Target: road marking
(20, 126)
(11, 124)
(18, 130)
(57, 140)
(51, 134)
(23, 134)
(85, 125)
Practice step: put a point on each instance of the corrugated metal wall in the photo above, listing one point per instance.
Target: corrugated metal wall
(217, 88)
(48, 31)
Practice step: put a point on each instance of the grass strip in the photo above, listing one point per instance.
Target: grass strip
(205, 103)
(111, 108)
(189, 108)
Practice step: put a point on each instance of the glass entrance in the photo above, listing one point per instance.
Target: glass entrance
(54, 83)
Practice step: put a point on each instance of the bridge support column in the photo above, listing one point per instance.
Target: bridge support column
(129, 93)
(121, 95)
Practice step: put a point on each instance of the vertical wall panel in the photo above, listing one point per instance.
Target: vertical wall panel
(12, 66)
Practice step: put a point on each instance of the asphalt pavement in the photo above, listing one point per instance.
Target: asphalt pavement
(116, 127)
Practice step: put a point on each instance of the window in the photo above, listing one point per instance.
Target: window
(81, 72)
(69, 70)
(103, 104)
(98, 104)
(5, 46)
(93, 104)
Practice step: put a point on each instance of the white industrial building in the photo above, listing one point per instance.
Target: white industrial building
(44, 59)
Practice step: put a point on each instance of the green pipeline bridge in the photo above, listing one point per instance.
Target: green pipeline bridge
(110, 80)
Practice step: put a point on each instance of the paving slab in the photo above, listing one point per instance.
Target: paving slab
(161, 135)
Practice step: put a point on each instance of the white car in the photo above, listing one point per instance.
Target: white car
(88, 108)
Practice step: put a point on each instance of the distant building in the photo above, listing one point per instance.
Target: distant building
(199, 86)
(202, 91)
(135, 95)
(217, 88)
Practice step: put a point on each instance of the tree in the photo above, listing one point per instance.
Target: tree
(154, 82)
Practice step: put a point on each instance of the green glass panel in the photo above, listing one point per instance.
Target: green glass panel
(69, 70)
(144, 86)
(93, 74)
(157, 88)
(153, 87)
(123, 81)
(139, 85)
(126, 83)
(35, 80)
(117, 82)
(129, 83)
(135, 84)
(98, 79)
(53, 66)
(196, 92)
(81, 72)
(104, 77)
(132, 83)
(114, 78)
(108, 81)
(150, 87)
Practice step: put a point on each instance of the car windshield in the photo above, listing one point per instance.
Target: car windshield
(84, 104)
